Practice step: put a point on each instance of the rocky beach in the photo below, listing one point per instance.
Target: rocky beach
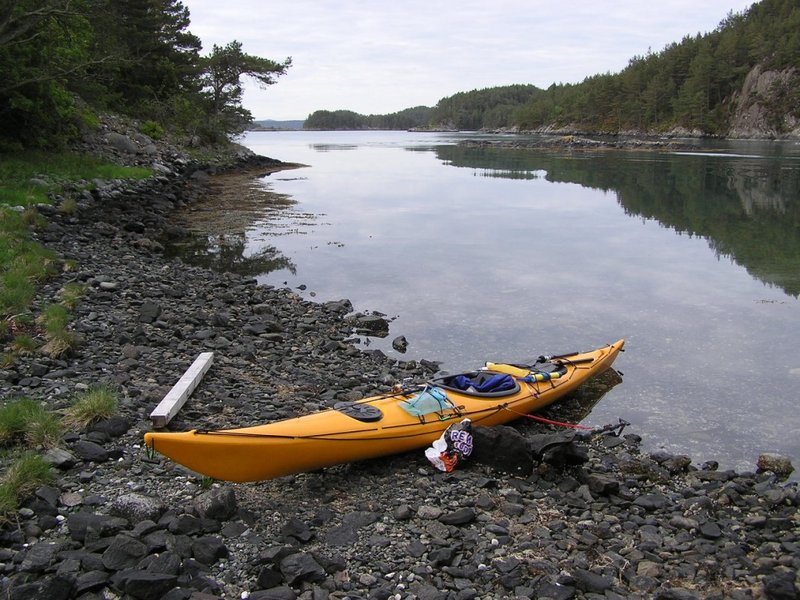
(604, 520)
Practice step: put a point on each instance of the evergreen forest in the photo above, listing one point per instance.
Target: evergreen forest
(64, 61)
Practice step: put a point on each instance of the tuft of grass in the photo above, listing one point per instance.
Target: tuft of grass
(95, 404)
(55, 320)
(71, 294)
(14, 419)
(23, 343)
(25, 421)
(69, 206)
(25, 475)
(45, 431)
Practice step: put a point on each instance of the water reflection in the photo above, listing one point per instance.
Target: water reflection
(225, 230)
(748, 209)
(226, 253)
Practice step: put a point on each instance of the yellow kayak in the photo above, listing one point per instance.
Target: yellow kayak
(381, 425)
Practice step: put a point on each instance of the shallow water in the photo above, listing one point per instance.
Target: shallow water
(495, 254)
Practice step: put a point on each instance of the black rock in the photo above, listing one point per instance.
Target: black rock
(462, 516)
(91, 581)
(57, 587)
(209, 549)
(651, 502)
(502, 448)
(591, 582)
(113, 427)
(84, 523)
(296, 529)
(146, 585)
(301, 567)
(276, 593)
(400, 343)
(269, 578)
(781, 586)
(123, 553)
(90, 451)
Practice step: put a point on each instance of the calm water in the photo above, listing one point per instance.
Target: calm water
(489, 254)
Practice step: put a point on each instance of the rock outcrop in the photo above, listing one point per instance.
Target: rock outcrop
(764, 106)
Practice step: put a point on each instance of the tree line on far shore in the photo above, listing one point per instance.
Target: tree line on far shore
(691, 84)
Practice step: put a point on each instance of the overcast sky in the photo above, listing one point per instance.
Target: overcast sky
(378, 57)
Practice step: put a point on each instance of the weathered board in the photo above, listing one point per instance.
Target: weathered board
(180, 392)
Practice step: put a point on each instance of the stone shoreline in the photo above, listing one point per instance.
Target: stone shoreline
(120, 523)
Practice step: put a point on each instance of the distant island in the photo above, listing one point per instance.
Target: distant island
(271, 125)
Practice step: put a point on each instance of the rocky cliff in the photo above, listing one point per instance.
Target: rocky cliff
(768, 105)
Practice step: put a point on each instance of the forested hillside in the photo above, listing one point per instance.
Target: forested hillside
(490, 108)
(695, 84)
(63, 61)
(347, 119)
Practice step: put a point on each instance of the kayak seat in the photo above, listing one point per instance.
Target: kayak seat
(486, 384)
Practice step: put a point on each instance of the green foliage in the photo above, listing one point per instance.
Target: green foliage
(95, 404)
(25, 421)
(25, 475)
(222, 76)
(72, 293)
(152, 129)
(687, 84)
(22, 263)
(136, 57)
(409, 118)
(479, 109)
(55, 321)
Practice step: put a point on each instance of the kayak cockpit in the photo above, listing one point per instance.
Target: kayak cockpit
(481, 384)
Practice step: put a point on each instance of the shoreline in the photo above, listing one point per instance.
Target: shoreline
(622, 524)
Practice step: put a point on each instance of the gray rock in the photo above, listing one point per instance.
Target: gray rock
(60, 458)
(138, 507)
(149, 312)
(776, 463)
(651, 502)
(218, 503)
(400, 343)
(122, 143)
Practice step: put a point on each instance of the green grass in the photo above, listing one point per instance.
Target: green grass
(60, 340)
(25, 421)
(96, 403)
(23, 477)
(55, 170)
(71, 294)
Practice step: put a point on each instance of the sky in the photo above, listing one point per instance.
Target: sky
(379, 57)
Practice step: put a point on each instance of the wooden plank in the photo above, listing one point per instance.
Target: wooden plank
(180, 392)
